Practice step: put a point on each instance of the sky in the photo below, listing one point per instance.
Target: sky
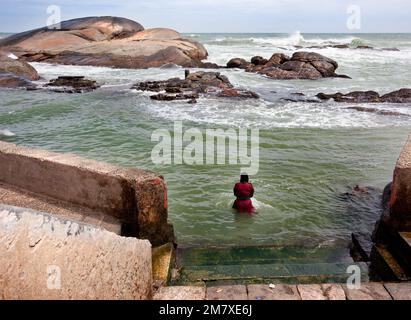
(244, 16)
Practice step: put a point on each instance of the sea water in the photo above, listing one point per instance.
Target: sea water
(310, 153)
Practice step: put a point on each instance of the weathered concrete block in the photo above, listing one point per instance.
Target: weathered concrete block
(279, 292)
(137, 198)
(42, 257)
(321, 292)
(400, 201)
(180, 293)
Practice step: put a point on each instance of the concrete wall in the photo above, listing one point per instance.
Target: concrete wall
(42, 257)
(400, 201)
(138, 198)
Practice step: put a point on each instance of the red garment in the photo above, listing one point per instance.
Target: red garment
(244, 191)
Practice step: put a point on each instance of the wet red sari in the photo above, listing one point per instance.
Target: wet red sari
(244, 191)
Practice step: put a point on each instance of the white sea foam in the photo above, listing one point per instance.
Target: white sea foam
(7, 133)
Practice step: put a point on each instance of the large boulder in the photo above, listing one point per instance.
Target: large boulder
(239, 63)
(22, 69)
(106, 41)
(399, 96)
(302, 65)
(9, 80)
(192, 86)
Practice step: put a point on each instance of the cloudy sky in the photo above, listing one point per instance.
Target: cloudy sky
(219, 15)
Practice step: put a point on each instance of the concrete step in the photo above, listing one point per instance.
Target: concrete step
(262, 264)
(362, 246)
(386, 265)
(209, 256)
(163, 261)
(278, 273)
(403, 250)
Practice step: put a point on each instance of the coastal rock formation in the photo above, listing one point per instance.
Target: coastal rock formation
(105, 41)
(192, 86)
(17, 67)
(302, 65)
(15, 73)
(9, 80)
(72, 84)
(399, 96)
(349, 46)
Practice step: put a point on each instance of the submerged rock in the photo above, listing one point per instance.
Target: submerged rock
(399, 96)
(192, 86)
(378, 111)
(105, 41)
(72, 84)
(302, 65)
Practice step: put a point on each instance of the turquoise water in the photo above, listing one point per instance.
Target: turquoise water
(309, 153)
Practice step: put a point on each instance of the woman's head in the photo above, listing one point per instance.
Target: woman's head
(244, 177)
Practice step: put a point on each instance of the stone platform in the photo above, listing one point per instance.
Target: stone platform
(368, 291)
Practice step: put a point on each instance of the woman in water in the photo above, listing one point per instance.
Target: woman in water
(244, 191)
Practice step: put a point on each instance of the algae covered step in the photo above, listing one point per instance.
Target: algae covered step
(263, 264)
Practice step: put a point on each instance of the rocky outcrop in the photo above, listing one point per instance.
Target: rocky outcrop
(349, 46)
(43, 257)
(399, 96)
(105, 41)
(379, 111)
(72, 84)
(15, 73)
(302, 65)
(192, 86)
(9, 80)
(17, 67)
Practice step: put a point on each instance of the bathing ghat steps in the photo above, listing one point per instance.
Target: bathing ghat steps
(264, 264)
(392, 261)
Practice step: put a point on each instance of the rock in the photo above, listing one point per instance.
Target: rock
(237, 63)
(341, 46)
(9, 80)
(390, 49)
(278, 58)
(311, 57)
(364, 47)
(169, 97)
(17, 67)
(192, 86)
(72, 84)
(106, 41)
(400, 96)
(378, 111)
(44, 257)
(209, 65)
(237, 93)
(352, 97)
(302, 65)
(257, 60)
